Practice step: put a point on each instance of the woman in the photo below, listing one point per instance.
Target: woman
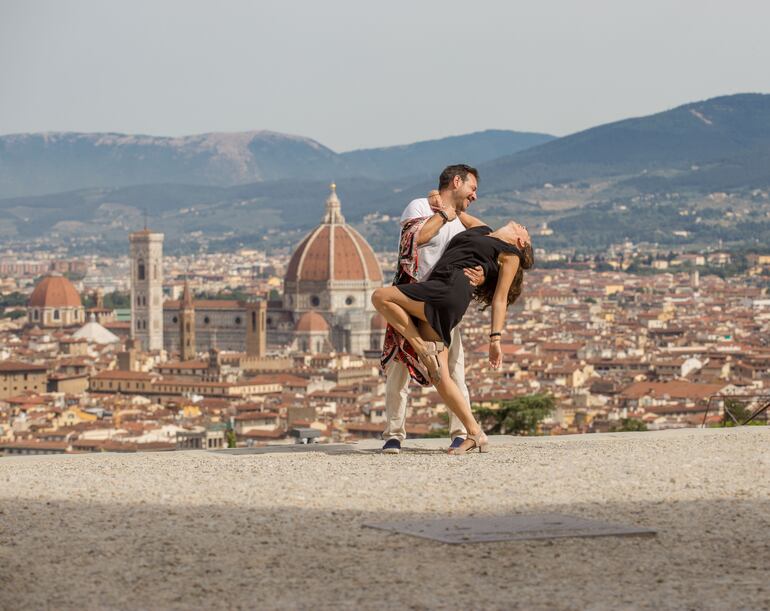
(439, 302)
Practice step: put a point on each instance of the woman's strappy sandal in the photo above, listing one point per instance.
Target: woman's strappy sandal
(429, 358)
(480, 441)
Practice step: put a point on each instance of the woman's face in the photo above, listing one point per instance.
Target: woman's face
(519, 233)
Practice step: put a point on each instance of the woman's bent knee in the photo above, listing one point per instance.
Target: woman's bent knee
(378, 298)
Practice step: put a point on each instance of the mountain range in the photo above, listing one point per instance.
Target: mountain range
(37, 164)
(654, 178)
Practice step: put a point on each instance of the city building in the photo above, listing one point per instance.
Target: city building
(333, 273)
(226, 324)
(17, 377)
(147, 288)
(55, 303)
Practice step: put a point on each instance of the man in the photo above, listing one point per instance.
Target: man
(425, 233)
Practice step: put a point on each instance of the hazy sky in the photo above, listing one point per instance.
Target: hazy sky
(356, 73)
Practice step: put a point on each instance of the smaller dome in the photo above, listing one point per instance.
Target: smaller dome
(311, 322)
(55, 292)
(92, 331)
(378, 323)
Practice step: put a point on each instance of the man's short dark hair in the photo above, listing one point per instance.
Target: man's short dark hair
(449, 173)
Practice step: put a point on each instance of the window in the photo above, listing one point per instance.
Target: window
(237, 320)
(206, 320)
(350, 300)
(314, 300)
(140, 274)
(56, 314)
(175, 320)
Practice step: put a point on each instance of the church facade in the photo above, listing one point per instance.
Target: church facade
(223, 324)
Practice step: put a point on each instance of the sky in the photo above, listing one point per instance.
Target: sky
(356, 74)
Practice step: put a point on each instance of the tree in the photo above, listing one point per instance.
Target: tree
(117, 299)
(13, 299)
(231, 438)
(519, 416)
(738, 409)
(112, 300)
(628, 424)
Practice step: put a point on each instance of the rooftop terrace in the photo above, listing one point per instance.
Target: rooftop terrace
(284, 530)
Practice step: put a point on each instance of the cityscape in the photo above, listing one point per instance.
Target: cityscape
(149, 352)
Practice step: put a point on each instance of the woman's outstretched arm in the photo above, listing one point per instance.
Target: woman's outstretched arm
(469, 220)
(509, 265)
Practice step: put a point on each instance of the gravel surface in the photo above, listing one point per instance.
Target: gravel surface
(184, 530)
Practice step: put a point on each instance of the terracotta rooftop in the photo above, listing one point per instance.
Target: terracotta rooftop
(675, 389)
(206, 304)
(14, 366)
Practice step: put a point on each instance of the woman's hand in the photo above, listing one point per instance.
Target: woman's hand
(434, 199)
(437, 205)
(495, 354)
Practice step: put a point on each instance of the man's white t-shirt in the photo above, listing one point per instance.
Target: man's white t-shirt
(430, 252)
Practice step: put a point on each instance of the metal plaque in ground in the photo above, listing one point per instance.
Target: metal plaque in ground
(508, 528)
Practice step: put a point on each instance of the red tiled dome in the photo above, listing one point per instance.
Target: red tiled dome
(334, 251)
(311, 322)
(55, 292)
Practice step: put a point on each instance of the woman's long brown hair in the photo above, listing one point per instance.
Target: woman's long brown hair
(484, 293)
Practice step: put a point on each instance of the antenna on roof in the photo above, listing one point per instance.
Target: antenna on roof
(145, 218)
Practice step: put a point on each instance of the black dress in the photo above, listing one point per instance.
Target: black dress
(446, 291)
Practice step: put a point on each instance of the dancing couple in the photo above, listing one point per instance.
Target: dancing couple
(446, 259)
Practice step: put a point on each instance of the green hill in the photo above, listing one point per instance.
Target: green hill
(726, 134)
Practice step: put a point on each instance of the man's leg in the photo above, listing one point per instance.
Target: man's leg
(396, 394)
(457, 373)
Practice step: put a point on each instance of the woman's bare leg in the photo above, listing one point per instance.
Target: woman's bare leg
(455, 400)
(398, 310)
(449, 391)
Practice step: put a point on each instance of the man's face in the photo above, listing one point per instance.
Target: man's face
(465, 191)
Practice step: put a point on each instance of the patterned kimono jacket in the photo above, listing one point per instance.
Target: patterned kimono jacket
(395, 346)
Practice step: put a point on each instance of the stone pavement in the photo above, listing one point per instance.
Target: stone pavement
(283, 530)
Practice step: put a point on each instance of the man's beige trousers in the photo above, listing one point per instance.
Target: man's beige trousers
(397, 391)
